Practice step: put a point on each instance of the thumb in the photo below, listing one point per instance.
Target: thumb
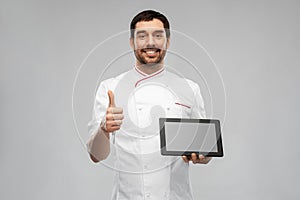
(111, 99)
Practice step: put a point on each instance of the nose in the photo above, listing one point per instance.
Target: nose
(151, 40)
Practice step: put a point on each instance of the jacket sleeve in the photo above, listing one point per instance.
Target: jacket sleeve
(99, 110)
(198, 110)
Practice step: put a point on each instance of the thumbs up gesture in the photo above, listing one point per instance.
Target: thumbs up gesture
(114, 115)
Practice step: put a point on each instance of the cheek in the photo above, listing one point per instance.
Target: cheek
(139, 45)
(161, 44)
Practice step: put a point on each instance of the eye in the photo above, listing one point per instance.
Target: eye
(158, 35)
(141, 36)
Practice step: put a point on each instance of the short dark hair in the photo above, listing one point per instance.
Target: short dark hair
(148, 15)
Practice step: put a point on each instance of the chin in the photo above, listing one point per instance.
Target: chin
(151, 64)
(156, 62)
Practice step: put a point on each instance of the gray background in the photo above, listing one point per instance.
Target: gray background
(254, 43)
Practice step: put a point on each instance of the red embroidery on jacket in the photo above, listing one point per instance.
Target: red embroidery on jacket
(182, 105)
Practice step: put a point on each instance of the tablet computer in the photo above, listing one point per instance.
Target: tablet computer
(186, 136)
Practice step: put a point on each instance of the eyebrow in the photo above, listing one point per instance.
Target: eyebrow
(144, 31)
(159, 31)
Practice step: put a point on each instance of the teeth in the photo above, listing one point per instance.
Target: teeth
(151, 52)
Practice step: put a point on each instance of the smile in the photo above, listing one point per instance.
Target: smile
(151, 52)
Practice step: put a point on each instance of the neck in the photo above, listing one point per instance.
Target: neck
(149, 69)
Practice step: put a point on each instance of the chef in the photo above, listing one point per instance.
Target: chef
(125, 129)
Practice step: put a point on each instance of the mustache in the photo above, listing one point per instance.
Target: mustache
(151, 49)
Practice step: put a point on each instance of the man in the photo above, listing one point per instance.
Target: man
(126, 112)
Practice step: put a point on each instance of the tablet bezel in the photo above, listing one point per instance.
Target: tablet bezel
(216, 122)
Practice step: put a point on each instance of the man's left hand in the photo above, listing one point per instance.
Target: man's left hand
(196, 159)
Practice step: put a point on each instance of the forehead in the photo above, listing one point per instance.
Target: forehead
(154, 24)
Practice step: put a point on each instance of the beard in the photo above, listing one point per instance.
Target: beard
(150, 56)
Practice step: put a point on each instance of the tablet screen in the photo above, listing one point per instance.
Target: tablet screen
(184, 136)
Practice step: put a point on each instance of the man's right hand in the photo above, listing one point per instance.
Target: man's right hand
(114, 115)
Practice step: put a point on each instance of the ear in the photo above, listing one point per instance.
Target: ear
(131, 41)
(168, 43)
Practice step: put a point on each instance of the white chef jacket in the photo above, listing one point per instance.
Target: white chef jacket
(140, 171)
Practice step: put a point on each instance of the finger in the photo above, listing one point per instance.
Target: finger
(202, 158)
(114, 128)
(110, 116)
(194, 157)
(113, 123)
(185, 159)
(111, 99)
(115, 110)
